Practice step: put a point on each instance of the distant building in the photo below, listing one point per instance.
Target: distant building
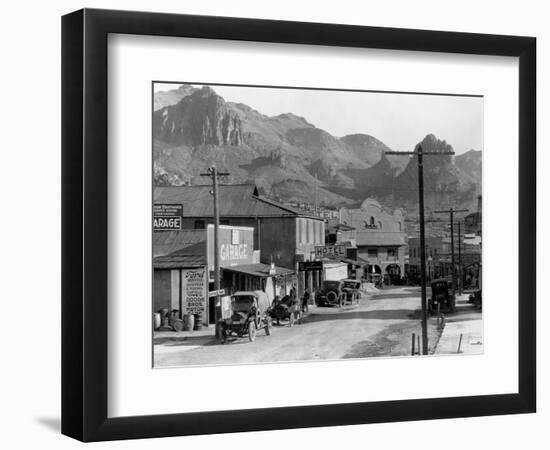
(436, 249)
(472, 222)
(439, 256)
(380, 238)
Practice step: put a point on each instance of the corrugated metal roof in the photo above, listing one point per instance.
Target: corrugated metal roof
(179, 261)
(259, 270)
(338, 227)
(238, 200)
(168, 242)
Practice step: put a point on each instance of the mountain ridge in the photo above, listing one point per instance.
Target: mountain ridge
(292, 160)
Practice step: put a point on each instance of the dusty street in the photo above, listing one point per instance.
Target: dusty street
(379, 326)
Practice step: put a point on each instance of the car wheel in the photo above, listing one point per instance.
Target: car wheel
(251, 332)
(332, 297)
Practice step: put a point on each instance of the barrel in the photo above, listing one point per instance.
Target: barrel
(178, 325)
(188, 322)
(198, 322)
(156, 321)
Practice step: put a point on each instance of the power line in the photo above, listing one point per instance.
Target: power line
(213, 173)
(451, 213)
(419, 158)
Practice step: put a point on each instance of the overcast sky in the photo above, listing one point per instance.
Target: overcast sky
(398, 120)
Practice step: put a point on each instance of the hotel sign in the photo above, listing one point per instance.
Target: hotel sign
(330, 251)
(167, 216)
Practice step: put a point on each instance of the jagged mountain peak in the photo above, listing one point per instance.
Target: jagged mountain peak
(207, 91)
(431, 143)
(171, 97)
(201, 118)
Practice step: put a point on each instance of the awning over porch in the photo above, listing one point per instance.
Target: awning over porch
(357, 262)
(260, 270)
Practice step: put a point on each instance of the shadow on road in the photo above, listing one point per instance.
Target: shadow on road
(172, 341)
(385, 314)
(382, 295)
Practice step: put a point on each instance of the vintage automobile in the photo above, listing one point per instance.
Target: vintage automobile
(286, 308)
(442, 296)
(331, 293)
(249, 313)
(352, 291)
(475, 298)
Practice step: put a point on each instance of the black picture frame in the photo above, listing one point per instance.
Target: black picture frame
(84, 224)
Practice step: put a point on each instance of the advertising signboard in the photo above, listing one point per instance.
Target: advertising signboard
(194, 286)
(236, 245)
(306, 266)
(330, 251)
(167, 216)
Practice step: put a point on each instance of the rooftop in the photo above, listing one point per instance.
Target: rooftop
(259, 270)
(236, 200)
(180, 259)
(381, 238)
(192, 242)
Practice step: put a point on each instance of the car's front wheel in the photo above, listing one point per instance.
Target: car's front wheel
(251, 332)
(291, 319)
(220, 333)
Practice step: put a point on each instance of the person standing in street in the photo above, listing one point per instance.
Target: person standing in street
(305, 301)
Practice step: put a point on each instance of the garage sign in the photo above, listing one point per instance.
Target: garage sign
(167, 216)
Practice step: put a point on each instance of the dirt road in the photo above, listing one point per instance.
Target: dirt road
(380, 326)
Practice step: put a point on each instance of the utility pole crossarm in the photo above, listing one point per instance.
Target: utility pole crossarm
(447, 211)
(220, 174)
(422, 152)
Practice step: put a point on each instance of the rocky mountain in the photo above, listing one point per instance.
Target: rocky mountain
(470, 163)
(444, 182)
(371, 150)
(290, 159)
(167, 98)
(202, 118)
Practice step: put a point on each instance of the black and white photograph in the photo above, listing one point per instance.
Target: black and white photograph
(300, 224)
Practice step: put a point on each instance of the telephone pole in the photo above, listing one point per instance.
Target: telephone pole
(419, 158)
(460, 279)
(213, 173)
(451, 213)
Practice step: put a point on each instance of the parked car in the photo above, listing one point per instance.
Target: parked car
(331, 293)
(475, 298)
(352, 291)
(286, 308)
(442, 296)
(249, 313)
